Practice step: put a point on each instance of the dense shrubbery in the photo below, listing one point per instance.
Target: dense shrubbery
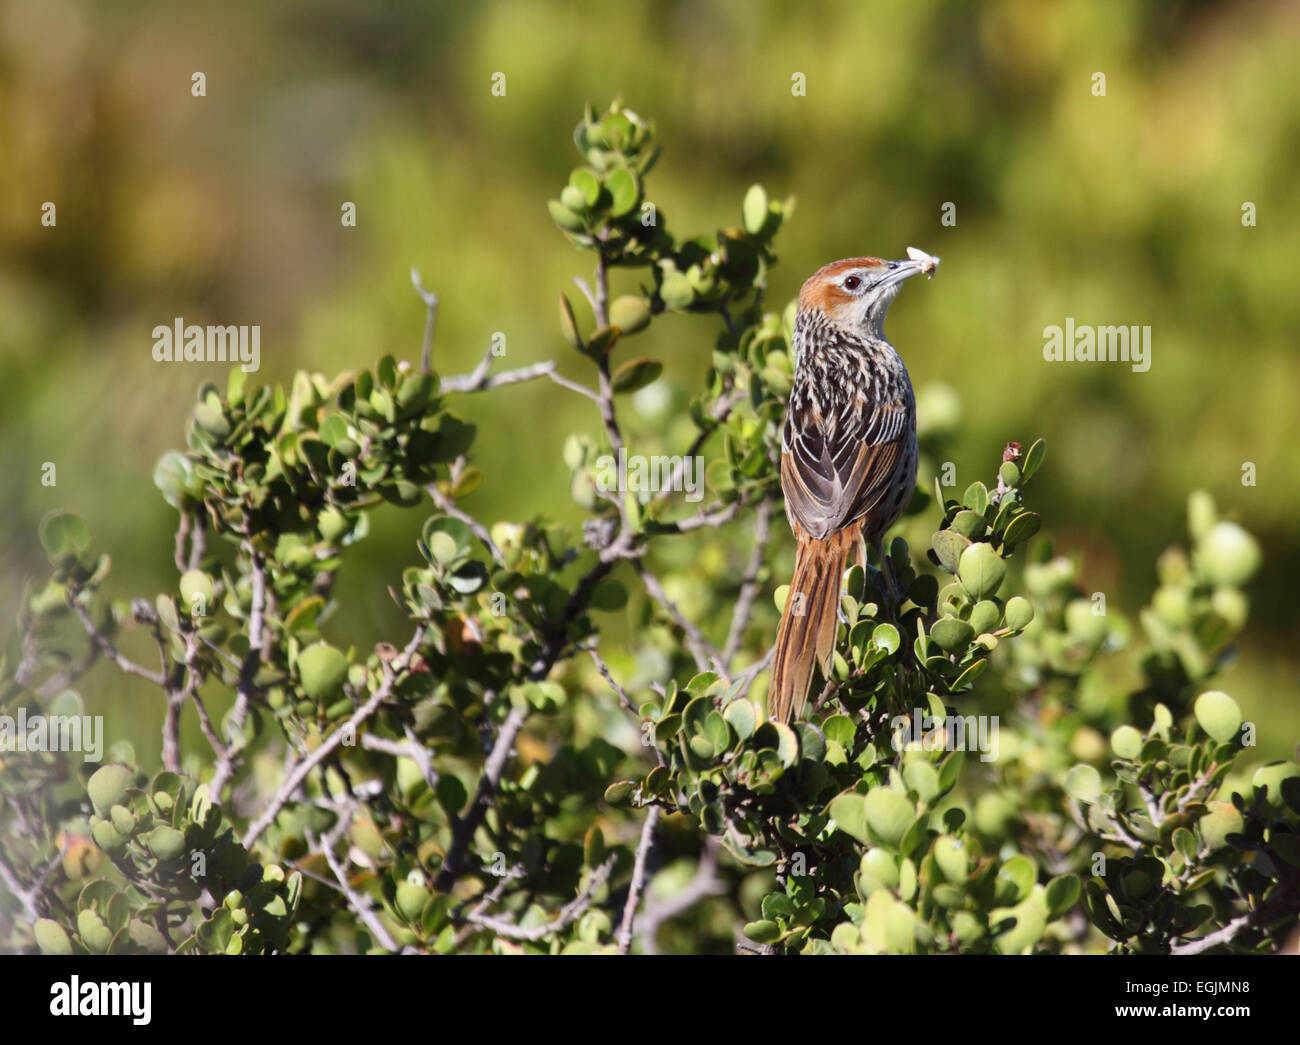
(501, 778)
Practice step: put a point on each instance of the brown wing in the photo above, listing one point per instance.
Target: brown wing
(834, 470)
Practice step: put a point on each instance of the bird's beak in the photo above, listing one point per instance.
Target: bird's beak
(918, 262)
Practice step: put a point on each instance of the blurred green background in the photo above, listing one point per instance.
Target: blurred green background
(1123, 209)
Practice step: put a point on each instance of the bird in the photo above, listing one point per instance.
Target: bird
(848, 454)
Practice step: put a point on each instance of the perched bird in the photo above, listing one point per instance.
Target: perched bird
(848, 453)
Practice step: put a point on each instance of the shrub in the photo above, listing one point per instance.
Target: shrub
(526, 771)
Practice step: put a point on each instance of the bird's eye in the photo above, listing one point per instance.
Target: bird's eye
(852, 283)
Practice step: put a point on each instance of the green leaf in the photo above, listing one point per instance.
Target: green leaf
(1221, 819)
(676, 291)
(1033, 460)
(623, 190)
(108, 786)
(1228, 555)
(742, 716)
(50, 937)
(323, 670)
(763, 931)
(1021, 528)
(967, 678)
(841, 729)
(754, 210)
(976, 498)
(969, 524)
(889, 815)
(1016, 878)
(849, 812)
(885, 637)
(1019, 613)
(1084, 783)
(64, 536)
(1062, 893)
(173, 475)
(569, 325)
(951, 634)
(981, 570)
(608, 595)
(564, 217)
(636, 374)
(573, 199)
(630, 313)
(1127, 742)
(1027, 930)
(166, 843)
(587, 184)
(1218, 714)
(949, 545)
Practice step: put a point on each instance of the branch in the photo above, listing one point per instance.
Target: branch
(749, 584)
(26, 897)
(703, 883)
(711, 517)
(247, 672)
(109, 650)
(603, 668)
(1224, 935)
(410, 748)
(638, 879)
(478, 380)
(705, 653)
(301, 767)
(447, 505)
(430, 300)
(573, 386)
(463, 833)
(569, 913)
(358, 903)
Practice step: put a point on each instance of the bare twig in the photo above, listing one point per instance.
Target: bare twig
(182, 537)
(489, 898)
(569, 913)
(603, 668)
(753, 671)
(749, 583)
(358, 903)
(430, 300)
(448, 506)
(717, 414)
(26, 897)
(480, 379)
(712, 516)
(198, 541)
(703, 883)
(463, 833)
(1224, 935)
(226, 763)
(301, 767)
(573, 386)
(705, 653)
(109, 650)
(637, 886)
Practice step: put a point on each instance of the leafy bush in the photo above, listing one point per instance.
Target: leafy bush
(503, 779)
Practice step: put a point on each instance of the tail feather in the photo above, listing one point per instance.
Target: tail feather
(808, 637)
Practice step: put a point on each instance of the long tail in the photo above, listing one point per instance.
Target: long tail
(808, 622)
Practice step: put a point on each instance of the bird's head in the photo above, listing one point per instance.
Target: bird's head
(856, 293)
